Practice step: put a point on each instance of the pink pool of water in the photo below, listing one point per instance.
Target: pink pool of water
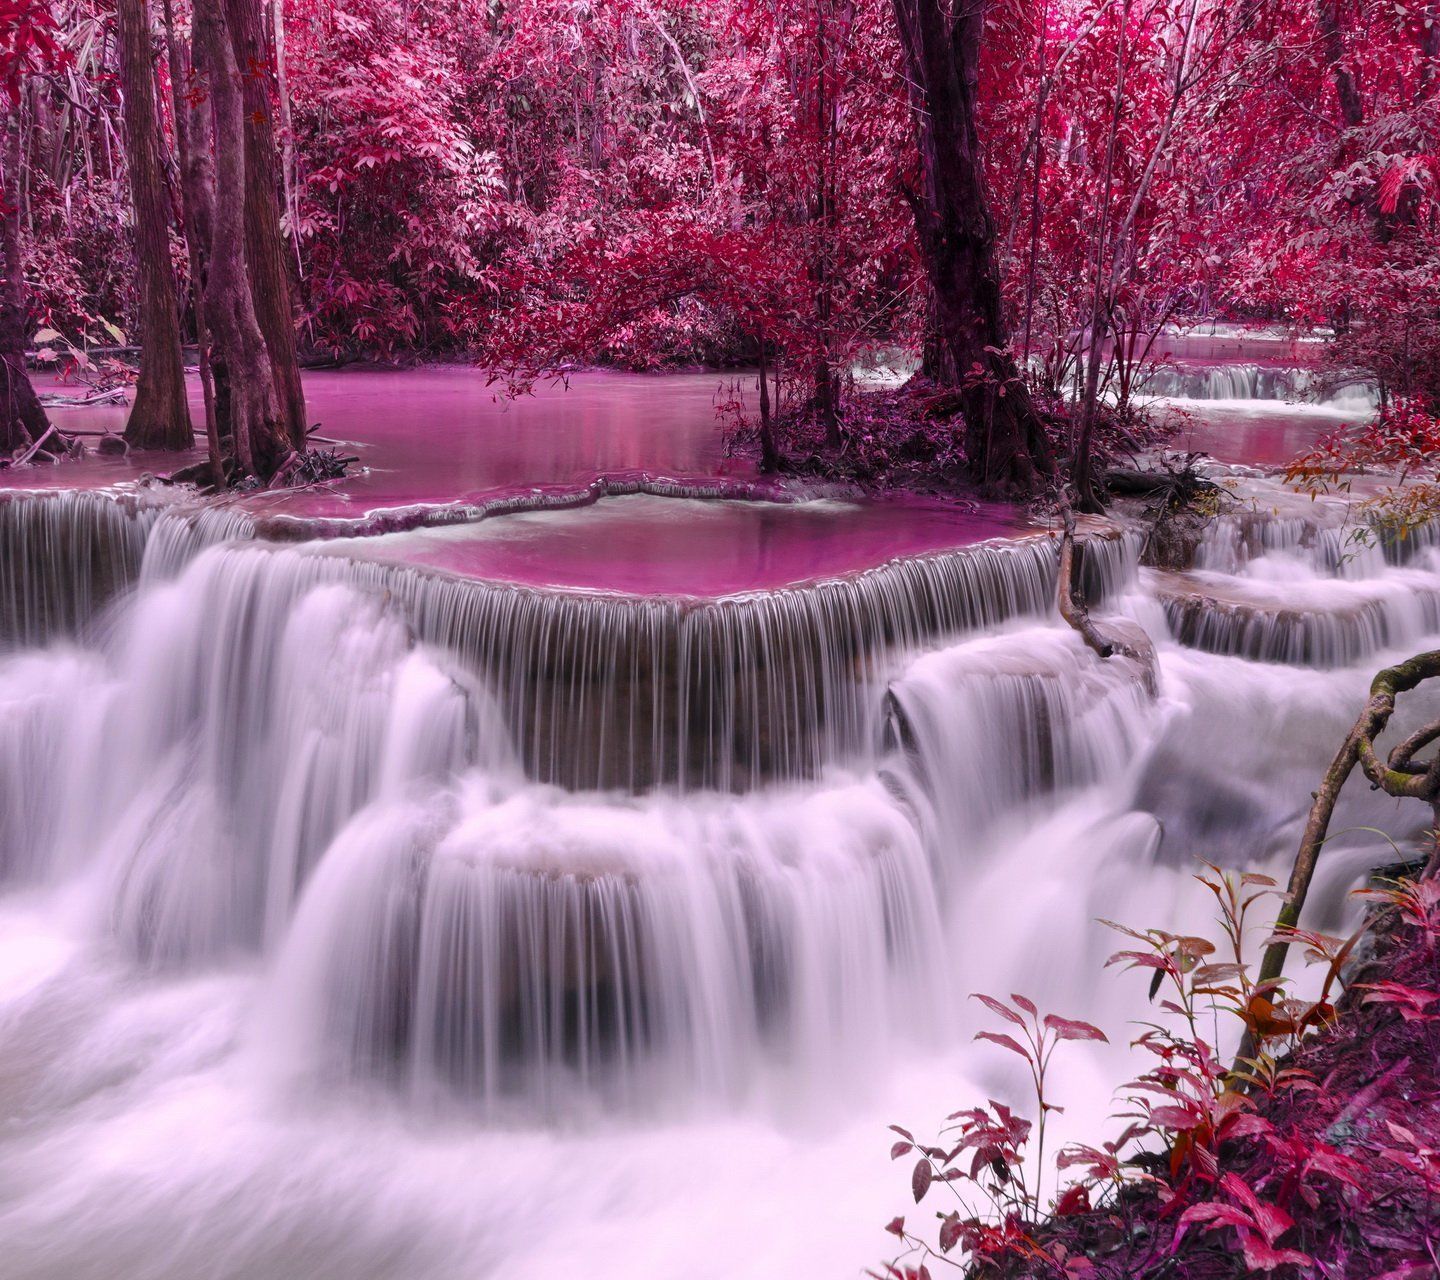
(443, 435)
(643, 545)
(1256, 433)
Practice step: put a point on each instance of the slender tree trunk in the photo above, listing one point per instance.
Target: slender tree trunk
(22, 417)
(197, 202)
(264, 242)
(160, 416)
(256, 419)
(288, 174)
(1086, 497)
(1332, 47)
(1005, 440)
(826, 400)
(769, 456)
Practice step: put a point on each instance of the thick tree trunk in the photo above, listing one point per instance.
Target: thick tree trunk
(160, 416)
(255, 417)
(1005, 440)
(22, 417)
(264, 242)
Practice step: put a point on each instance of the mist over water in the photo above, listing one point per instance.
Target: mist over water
(362, 918)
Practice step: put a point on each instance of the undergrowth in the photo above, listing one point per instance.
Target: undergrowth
(1317, 1156)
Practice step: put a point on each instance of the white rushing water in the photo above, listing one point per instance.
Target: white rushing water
(323, 954)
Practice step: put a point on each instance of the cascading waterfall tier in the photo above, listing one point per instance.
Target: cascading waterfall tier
(1245, 381)
(64, 555)
(635, 692)
(521, 846)
(1308, 588)
(496, 943)
(1323, 537)
(597, 691)
(316, 756)
(1320, 623)
(987, 728)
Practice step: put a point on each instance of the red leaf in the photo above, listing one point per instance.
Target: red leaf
(949, 1232)
(1068, 1029)
(995, 1037)
(1181, 1118)
(997, 1006)
(920, 1179)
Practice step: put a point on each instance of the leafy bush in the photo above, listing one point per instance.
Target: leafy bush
(1317, 1155)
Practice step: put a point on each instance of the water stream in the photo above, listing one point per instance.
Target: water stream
(414, 906)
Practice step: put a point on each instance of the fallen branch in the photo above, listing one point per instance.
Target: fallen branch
(1075, 613)
(35, 448)
(1106, 640)
(58, 400)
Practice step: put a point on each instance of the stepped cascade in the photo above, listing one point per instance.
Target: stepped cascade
(605, 609)
(517, 859)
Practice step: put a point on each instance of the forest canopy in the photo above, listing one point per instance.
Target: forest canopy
(538, 184)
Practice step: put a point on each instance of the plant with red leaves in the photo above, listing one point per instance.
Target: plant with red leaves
(1258, 1225)
(1278, 1184)
(985, 1152)
(1402, 445)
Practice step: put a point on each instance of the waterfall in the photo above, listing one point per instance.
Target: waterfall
(62, 556)
(1243, 381)
(516, 843)
(623, 691)
(505, 943)
(1311, 589)
(1227, 382)
(383, 921)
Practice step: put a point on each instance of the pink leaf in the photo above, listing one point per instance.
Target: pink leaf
(921, 1179)
(995, 1037)
(1069, 1029)
(997, 1006)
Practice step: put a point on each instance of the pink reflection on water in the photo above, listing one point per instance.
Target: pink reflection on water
(1256, 432)
(436, 435)
(441, 434)
(646, 545)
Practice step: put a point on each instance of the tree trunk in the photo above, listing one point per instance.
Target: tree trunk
(255, 417)
(264, 243)
(1005, 441)
(22, 417)
(1087, 498)
(825, 401)
(1332, 47)
(769, 455)
(197, 202)
(160, 416)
